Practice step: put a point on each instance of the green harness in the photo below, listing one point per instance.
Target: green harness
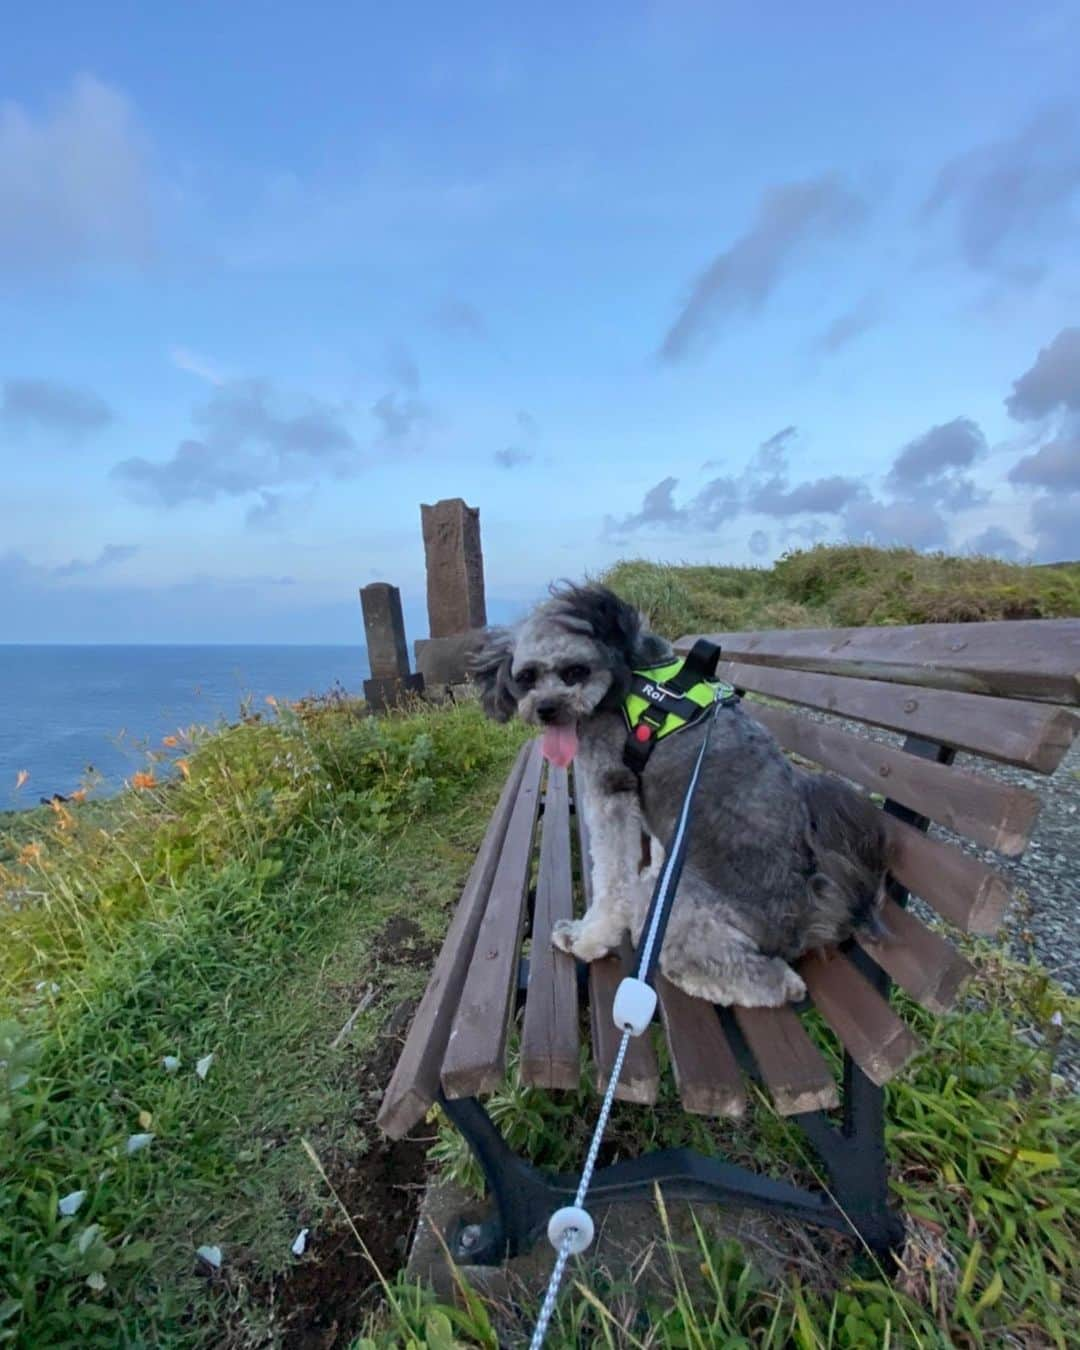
(670, 697)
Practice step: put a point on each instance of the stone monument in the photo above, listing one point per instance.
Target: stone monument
(388, 654)
(455, 590)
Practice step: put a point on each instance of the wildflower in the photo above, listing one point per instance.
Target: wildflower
(79, 795)
(20, 778)
(96, 1281)
(71, 1203)
(271, 700)
(170, 1063)
(184, 767)
(142, 780)
(170, 741)
(145, 1119)
(30, 853)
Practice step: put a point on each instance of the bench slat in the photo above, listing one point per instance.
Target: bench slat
(1030, 735)
(994, 814)
(475, 1058)
(923, 963)
(1027, 658)
(961, 888)
(640, 1078)
(549, 1035)
(706, 1072)
(414, 1084)
(791, 1065)
(877, 1040)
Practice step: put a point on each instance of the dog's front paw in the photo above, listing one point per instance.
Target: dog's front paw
(772, 987)
(577, 938)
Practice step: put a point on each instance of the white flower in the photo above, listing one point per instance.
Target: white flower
(211, 1255)
(71, 1203)
(137, 1141)
(1056, 1020)
(96, 1280)
(170, 1063)
(300, 1243)
(203, 1066)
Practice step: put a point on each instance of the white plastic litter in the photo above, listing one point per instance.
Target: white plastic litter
(170, 1063)
(71, 1203)
(211, 1255)
(300, 1245)
(203, 1066)
(136, 1142)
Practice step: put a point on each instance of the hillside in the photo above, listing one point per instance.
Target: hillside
(846, 586)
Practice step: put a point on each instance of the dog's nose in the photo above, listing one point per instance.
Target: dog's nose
(548, 709)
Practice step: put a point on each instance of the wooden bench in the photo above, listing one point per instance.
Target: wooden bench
(1000, 691)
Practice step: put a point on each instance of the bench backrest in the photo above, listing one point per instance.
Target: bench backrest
(1001, 691)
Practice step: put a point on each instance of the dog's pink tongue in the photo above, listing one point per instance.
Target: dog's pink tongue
(559, 745)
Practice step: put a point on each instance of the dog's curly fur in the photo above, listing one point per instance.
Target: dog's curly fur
(780, 861)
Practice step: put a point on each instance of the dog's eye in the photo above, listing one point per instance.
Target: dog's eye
(525, 678)
(575, 674)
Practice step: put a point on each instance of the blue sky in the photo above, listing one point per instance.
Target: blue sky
(688, 281)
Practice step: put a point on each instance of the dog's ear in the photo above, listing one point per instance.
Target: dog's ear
(489, 666)
(614, 623)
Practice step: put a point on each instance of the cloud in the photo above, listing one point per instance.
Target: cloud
(822, 494)
(403, 368)
(1052, 383)
(110, 556)
(512, 457)
(458, 317)
(401, 420)
(184, 359)
(527, 423)
(1054, 465)
(46, 405)
(996, 542)
(846, 327)
(266, 513)
(898, 522)
(1011, 201)
(954, 444)
(741, 278)
(759, 543)
(1053, 523)
(75, 183)
(245, 444)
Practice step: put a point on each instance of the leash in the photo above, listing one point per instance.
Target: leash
(571, 1229)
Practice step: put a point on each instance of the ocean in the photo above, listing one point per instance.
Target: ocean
(64, 709)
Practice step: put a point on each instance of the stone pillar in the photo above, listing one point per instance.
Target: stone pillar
(388, 654)
(455, 568)
(455, 591)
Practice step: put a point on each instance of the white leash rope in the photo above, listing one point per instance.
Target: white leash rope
(570, 1229)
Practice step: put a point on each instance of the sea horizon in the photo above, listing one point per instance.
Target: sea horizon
(72, 709)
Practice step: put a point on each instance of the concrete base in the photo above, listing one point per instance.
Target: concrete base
(628, 1256)
(445, 660)
(390, 691)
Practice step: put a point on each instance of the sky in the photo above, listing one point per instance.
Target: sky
(696, 282)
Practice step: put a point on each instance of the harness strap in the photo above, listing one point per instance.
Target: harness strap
(668, 698)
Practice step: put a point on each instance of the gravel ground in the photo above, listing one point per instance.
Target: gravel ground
(1044, 918)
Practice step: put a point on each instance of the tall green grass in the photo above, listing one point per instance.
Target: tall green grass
(845, 586)
(235, 906)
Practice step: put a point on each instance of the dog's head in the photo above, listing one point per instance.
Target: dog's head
(572, 657)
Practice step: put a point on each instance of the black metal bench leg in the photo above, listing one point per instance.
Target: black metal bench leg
(522, 1197)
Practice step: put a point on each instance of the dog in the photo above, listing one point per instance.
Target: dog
(780, 861)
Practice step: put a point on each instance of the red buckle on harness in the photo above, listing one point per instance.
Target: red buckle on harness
(643, 732)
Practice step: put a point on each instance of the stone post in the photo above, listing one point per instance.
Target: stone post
(455, 590)
(388, 654)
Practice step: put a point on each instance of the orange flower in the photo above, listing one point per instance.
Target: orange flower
(29, 853)
(79, 796)
(143, 780)
(271, 700)
(20, 778)
(170, 741)
(182, 765)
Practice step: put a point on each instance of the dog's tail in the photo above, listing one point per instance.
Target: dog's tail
(851, 855)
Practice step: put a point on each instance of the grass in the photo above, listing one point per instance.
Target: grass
(846, 586)
(257, 883)
(241, 911)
